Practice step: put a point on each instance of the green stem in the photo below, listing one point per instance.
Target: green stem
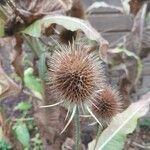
(77, 129)
(99, 131)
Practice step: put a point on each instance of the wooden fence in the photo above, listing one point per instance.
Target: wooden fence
(111, 23)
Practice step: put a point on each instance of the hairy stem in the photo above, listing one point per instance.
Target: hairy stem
(77, 129)
(99, 131)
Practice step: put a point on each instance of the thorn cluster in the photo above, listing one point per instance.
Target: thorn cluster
(107, 103)
(75, 74)
(78, 79)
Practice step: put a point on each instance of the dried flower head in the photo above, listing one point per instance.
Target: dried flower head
(107, 104)
(75, 74)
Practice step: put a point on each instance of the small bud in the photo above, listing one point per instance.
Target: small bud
(107, 104)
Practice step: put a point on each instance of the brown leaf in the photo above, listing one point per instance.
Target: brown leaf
(35, 9)
(50, 30)
(8, 86)
(43, 6)
(135, 6)
(125, 89)
(103, 50)
(77, 11)
(17, 56)
(11, 52)
(134, 39)
(26, 11)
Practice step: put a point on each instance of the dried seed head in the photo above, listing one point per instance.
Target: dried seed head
(75, 74)
(107, 104)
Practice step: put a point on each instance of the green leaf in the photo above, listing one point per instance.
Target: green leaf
(123, 124)
(2, 25)
(23, 106)
(33, 83)
(145, 122)
(42, 66)
(148, 20)
(69, 23)
(36, 45)
(4, 145)
(22, 134)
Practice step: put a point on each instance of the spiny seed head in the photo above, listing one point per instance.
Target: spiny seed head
(107, 104)
(75, 74)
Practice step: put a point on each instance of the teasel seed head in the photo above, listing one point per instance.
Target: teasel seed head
(107, 104)
(75, 74)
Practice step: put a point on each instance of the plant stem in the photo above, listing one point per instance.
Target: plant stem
(77, 129)
(99, 131)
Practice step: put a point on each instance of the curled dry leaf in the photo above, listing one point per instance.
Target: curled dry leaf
(103, 50)
(43, 6)
(7, 86)
(68, 144)
(11, 52)
(5, 126)
(17, 56)
(135, 6)
(102, 4)
(35, 9)
(25, 12)
(125, 89)
(5, 129)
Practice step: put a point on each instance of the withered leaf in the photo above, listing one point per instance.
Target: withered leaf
(135, 6)
(103, 50)
(8, 86)
(35, 9)
(17, 56)
(27, 11)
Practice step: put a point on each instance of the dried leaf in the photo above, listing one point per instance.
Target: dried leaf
(4, 124)
(139, 23)
(130, 54)
(17, 57)
(125, 89)
(35, 9)
(68, 144)
(133, 41)
(8, 86)
(43, 6)
(103, 51)
(135, 6)
(27, 11)
(102, 4)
